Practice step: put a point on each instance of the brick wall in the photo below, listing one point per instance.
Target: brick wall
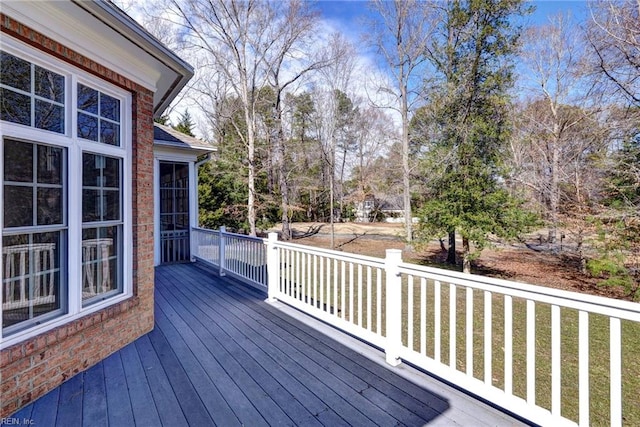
(33, 367)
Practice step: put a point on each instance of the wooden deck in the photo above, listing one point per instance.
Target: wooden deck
(221, 355)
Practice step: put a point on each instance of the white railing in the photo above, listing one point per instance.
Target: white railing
(345, 290)
(551, 356)
(241, 256)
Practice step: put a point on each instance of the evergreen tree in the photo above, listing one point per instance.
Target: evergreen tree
(472, 63)
(185, 125)
(163, 120)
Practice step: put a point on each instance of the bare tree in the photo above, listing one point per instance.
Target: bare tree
(287, 65)
(553, 55)
(243, 47)
(614, 37)
(400, 36)
(335, 79)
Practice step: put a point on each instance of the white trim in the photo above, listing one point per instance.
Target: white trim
(156, 212)
(74, 149)
(177, 156)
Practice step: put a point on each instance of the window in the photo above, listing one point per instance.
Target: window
(98, 116)
(102, 225)
(31, 95)
(34, 238)
(65, 165)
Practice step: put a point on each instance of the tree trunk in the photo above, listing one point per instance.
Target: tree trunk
(406, 184)
(284, 192)
(282, 169)
(251, 204)
(332, 192)
(451, 252)
(466, 255)
(554, 191)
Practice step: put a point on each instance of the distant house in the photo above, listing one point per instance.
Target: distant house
(84, 189)
(364, 209)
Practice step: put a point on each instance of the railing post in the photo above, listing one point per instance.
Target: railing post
(221, 251)
(393, 297)
(273, 267)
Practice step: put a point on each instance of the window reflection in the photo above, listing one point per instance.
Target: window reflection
(31, 281)
(16, 107)
(98, 116)
(44, 92)
(15, 72)
(24, 185)
(49, 85)
(100, 188)
(101, 255)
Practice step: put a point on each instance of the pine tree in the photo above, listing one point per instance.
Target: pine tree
(472, 63)
(185, 125)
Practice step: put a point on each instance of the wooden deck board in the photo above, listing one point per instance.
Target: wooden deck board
(325, 386)
(164, 395)
(120, 412)
(265, 393)
(70, 402)
(94, 403)
(45, 410)
(144, 410)
(221, 355)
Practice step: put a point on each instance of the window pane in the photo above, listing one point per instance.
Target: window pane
(112, 172)
(15, 72)
(91, 206)
(49, 165)
(18, 206)
(49, 116)
(92, 166)
(16, 108)
(182, 175)
(109, 133)
(101, 255)
(111, 201)
(109, 108)
(18, 161)
(166, 197)
(182, 221)
(166, 175)
(166, 222)
(87, 127)
(31, 281)
(49, 206)
(49, 85)
(182, 201)
(87, 99)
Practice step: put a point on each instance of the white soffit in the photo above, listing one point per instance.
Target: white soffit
(103, 33)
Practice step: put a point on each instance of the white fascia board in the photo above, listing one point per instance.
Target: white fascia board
(173, 154)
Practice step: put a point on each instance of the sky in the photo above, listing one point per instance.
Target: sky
(345, 13)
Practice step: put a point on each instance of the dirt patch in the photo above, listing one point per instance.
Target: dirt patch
(512, 262)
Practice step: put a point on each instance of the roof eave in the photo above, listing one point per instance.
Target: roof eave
(122, 23)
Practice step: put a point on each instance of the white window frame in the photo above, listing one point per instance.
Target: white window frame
(75, 147)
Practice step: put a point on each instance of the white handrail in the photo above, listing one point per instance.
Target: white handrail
(241, 256)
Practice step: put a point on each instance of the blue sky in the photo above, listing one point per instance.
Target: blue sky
(346, 12)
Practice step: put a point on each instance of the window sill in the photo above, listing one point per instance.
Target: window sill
(66, 326)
